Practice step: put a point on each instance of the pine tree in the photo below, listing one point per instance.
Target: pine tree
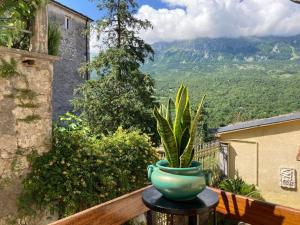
(122, 95)
(123, 50)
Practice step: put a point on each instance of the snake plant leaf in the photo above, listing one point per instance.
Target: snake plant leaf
(179, 115)
(166, 153)
(163, 111)
(184, 140)
(170, 111)
(178, 96)
(186, 121)
(176, 128)
(192, 157)
(167, 137)
(185, 158)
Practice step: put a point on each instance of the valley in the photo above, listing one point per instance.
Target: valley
(243, 78)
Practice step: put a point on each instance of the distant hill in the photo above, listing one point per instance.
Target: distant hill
(244, 78)
(199, 52)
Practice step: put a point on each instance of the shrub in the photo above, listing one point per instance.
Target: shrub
(240, 187)
(54, 37)
(107, 104)
(82, 170)
(17, 15)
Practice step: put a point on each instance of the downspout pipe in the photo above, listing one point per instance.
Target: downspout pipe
(87, 52)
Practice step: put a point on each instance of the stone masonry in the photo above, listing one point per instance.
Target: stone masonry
(74, 50)
(25, 122)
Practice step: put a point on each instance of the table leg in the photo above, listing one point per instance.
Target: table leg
(180, 220)
(203, 218)
(149, 217)
(193, 220)
(170, 220)
(215, 217)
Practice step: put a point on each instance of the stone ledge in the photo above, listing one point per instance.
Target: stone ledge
(28, 54)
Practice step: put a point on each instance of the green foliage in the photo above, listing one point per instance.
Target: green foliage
(124, 50)
(17, 16)
(82, 169)
(121, 29)
(25, 96)
(54, 37)
(122, 95)
(108, 103)
(8, 69)
(234, 95)
(237, 90)
(238, 186)
(116, 62)
(205, 134)
(178, 131)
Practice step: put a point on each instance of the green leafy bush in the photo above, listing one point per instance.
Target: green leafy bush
(54, 37)
(240, 187)
(108, 103)
(123, 95)
(17, 16)
(83, 170)
(8, 69)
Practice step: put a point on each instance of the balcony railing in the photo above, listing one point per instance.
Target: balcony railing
(127, 207)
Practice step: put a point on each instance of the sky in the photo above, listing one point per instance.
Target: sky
(89, 8)
(175, 20)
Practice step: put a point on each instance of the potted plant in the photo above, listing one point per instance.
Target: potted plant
(178, 177)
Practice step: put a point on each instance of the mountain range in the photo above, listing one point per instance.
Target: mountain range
(243, 78)
(206, 51)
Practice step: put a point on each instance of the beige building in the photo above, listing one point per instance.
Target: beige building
(266, 153)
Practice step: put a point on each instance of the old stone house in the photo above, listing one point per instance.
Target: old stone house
(74, 50)
(266, 152)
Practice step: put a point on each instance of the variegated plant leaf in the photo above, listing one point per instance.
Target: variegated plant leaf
(185, 158)
(170, 111)
(168, 139)
(178, 96)
(179, 116)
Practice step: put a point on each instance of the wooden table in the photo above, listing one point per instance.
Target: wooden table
(192, 212)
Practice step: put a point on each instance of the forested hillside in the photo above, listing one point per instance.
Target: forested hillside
(244, 78)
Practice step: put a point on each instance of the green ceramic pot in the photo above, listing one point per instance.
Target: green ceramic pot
(178, 184)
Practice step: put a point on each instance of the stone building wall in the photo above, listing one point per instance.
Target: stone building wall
(74, 50)
(25, 120)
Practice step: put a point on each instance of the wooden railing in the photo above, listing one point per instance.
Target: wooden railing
(122, 209)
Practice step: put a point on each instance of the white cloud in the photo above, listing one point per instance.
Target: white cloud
(94, 43)
(189, 19)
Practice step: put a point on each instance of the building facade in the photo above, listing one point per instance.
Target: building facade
(74, 50)
(266, 153)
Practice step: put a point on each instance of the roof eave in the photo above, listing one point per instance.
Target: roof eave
(72, 10)
(259, 123)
